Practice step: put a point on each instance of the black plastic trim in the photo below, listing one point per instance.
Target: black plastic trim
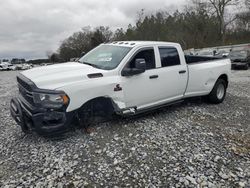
(42, 122)
(35, 117)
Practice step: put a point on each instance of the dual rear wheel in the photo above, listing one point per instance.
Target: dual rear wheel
(218, 93)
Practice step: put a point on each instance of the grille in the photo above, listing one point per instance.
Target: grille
(25, 90)
(24, 84)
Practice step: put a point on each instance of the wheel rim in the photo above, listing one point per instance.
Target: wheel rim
(220, 91)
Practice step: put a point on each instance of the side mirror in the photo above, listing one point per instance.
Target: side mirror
(140, 67)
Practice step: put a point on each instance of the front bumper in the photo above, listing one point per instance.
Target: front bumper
(43, 121)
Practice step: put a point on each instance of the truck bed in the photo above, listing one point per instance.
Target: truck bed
(199, 59)
(203, 73)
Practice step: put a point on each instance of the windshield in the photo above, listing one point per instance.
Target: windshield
(105, 57)
(238, 54)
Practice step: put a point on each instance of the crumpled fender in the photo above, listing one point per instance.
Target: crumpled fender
(86, 90)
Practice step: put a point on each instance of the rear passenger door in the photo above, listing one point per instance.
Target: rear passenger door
(172, 72)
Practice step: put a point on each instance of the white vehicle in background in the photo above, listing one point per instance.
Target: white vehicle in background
(6, 66)
(23, 66)
(222, 54)
(206, 53)
(26, 66)
(3, 66)
(123, 78)
(46, 64)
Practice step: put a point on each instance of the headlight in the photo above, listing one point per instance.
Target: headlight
(51, 100)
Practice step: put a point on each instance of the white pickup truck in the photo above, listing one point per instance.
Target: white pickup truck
(123, 78)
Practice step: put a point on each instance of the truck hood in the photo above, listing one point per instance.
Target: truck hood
(55, 76)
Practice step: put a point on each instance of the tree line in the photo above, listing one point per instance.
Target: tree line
(202, 23)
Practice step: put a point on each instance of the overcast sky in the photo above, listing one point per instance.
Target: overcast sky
(30, 28)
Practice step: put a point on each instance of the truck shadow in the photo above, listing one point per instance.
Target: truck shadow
(115, 122)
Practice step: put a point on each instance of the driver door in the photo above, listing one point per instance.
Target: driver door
(141, 90)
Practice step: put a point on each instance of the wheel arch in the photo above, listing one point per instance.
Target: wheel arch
(105, 101)
(223, 77)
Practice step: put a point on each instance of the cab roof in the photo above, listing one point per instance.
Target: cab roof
(140, 43)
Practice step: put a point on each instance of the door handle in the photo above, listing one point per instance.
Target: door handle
(182, 72)
(153, 77)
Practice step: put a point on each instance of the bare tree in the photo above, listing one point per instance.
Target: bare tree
(247, 2)
(83, 41)
(49, 53)
(198, 6)
(220, 7)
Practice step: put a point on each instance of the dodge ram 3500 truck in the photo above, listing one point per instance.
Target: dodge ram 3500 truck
(123, 78)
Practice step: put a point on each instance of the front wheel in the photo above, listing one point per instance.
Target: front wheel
(218, 93)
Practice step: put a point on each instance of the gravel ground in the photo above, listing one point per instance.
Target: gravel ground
(192, 144)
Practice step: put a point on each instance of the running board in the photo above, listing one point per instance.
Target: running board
(134, 111)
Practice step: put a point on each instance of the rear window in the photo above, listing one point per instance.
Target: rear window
(169, 56)
(238, 54)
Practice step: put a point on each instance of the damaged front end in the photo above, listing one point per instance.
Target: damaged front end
(39, 110)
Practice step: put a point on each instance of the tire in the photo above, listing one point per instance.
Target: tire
(218, 93)
(86, 115)
(95, 111)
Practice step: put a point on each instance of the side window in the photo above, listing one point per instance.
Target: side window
(169, 56)
(149, 57)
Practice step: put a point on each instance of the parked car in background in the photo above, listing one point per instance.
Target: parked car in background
(18, 66)
(5, 66)
(206, 53)
(222, 54)
(24, 66)
(240, 59)
(11, 67)
(46, 64)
